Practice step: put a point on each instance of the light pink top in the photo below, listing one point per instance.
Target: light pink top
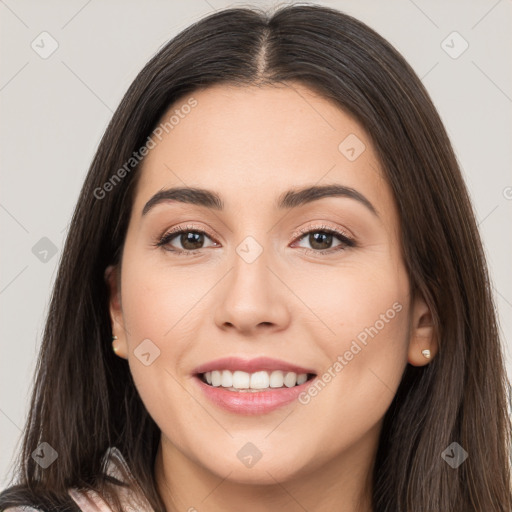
(89, 501)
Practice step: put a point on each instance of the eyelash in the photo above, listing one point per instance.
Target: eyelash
(347, 242)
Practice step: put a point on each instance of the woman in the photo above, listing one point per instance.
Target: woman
(361, 371)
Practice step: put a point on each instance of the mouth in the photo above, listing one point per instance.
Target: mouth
(248, 400)
(252, 386)
(256, 382)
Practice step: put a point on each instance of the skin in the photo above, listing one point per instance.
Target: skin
(249, 145)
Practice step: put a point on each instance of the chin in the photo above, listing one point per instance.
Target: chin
(267, 470)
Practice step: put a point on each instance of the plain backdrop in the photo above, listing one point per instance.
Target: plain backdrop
(56, 106)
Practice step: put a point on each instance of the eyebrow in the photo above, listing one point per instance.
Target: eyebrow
(289, 199)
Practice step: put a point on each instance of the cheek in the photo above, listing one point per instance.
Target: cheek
(364, 335)
(162, 305)
(151, 308)
(156, 299)
(354, 302)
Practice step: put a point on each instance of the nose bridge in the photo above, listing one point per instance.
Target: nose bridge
(250, 275)
(250, 262)
(252, 295)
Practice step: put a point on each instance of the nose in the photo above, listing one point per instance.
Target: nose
(253, 298)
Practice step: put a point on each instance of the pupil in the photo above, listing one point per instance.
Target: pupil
(314, 237)
(188, 242)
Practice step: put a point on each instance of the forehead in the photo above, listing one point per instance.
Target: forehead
(252, 143)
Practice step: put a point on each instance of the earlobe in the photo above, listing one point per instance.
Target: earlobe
(119, 344)
(423, 344)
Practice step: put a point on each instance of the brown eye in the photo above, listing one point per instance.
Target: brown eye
(191, 240)
(184, 241)
(321, 240)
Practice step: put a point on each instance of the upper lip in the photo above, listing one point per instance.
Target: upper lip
(250, 365)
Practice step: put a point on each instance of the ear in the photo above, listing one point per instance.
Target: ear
(422, 336)
(113, 281)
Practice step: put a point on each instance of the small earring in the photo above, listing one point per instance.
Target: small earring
(114, 348)
(426, 353)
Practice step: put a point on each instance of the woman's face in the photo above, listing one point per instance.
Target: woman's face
(263, 272)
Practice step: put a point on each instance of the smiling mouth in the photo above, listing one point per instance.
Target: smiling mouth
(244, 382)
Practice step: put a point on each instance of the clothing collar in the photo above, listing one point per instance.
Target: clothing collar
(132, 497)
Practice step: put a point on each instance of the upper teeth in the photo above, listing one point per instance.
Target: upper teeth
(256, 380)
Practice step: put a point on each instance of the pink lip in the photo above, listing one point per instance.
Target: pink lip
(250, 365)
(249, 403)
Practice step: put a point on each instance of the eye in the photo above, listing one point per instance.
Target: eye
(321, 240)
(191, 240)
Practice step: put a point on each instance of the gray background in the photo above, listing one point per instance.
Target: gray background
(54, 111)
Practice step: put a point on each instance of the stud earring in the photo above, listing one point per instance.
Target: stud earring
(114, 348)
(426, 353)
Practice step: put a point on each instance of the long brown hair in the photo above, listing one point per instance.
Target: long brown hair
(84, 399)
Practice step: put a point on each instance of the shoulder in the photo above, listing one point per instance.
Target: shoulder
(129, 493)
(85, 502)
(23, 509)
(88, 500)
(28, 508)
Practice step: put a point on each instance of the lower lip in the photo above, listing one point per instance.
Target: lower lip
(259, 402)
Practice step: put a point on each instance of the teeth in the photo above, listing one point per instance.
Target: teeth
(216, 378)
(259, 380)
(239, 380)
(290, 379)
(301, 378)
(276, 379)
(227, 379)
